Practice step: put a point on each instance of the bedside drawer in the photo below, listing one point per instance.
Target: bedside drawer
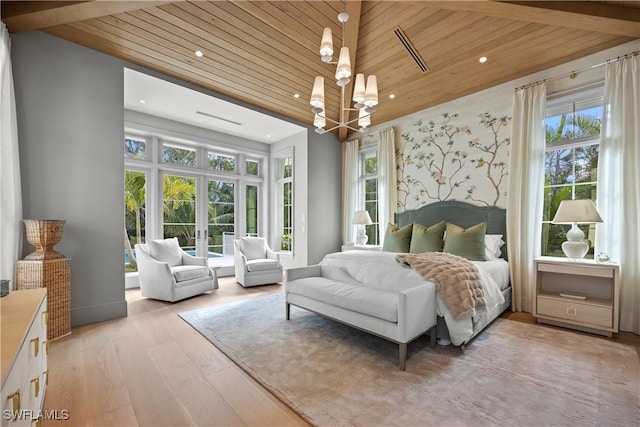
(575, 311)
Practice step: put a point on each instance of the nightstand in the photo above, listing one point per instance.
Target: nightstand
(577, 294)
(361, 248)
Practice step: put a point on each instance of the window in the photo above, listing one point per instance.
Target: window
(368, 191)
(135, 201)
(221, 216)
(194, 192)
(179, 209)
(178, 155)
(285, 203)
(221, 162)
(571, 162)
(135, 148)
(253, 167)
(252, 210)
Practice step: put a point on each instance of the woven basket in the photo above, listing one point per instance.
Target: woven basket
(55, 275)
(44, 234)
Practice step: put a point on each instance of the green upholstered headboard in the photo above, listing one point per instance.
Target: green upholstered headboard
(460, 213)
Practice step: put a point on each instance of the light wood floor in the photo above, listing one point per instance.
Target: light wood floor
(153, 369)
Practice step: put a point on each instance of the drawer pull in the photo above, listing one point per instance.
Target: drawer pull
(46, 377)
(572, 311)
(36, 382)
(45, 315)
(36, 346)
(15, 404)
(45, 344)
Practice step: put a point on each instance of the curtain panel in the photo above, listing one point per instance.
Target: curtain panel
(349, 188)
(619, 183)
(525, 199)
(10, 190)
(387, 181)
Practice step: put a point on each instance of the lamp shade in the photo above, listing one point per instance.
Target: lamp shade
(361, 217)
(581, 211)
(364, 118)
(326, 46)
(358, 89)
(371, 92)
(319, 121)
(317, 94)
(343, 71)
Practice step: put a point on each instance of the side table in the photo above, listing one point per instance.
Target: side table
(578, 294)
(55, 275)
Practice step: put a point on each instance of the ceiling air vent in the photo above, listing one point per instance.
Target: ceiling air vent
(414, 53)
(219, 118)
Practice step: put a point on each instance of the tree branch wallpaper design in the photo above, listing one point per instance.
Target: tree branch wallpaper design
(452, 159)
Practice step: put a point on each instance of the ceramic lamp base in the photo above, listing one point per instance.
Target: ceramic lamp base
(362, 239)
(575, 250)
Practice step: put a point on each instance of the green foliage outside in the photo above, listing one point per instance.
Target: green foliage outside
(570, 172)
(179, 214)
(178, 155)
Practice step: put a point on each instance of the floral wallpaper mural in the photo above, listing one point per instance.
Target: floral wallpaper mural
(451, 158)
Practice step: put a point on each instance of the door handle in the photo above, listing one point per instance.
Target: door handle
(198, 235)
(206, 234)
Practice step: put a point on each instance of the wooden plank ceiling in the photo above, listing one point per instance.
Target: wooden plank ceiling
(263, 53)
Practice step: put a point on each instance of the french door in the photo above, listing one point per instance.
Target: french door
(220, 217)
(199, 211)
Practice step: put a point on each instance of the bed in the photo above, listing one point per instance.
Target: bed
(381, 266)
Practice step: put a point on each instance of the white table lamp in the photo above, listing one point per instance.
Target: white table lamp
(576, 212)
(361, 218)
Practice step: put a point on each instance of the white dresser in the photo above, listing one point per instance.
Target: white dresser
(24, 356)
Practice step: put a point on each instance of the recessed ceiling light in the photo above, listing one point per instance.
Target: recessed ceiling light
(392, 96)
(483, 59)
(199, 53)
(268, 136)
(296, 95)
(142, 101)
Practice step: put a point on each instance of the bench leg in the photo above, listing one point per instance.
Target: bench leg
(403, 355)
(288, 311)
(433, 337)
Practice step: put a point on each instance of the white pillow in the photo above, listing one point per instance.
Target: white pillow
(492, 245)
(167, 250)
(253, 247)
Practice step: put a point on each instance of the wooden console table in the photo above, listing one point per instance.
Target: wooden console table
(55, 275)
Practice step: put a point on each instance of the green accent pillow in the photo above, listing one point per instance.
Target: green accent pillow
(397, 239)
(427, 239)
(467, 243)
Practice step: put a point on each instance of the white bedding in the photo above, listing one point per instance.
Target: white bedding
(380, 269)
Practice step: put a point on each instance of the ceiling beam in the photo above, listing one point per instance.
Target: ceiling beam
(350, 40)
(37, 18)
(580, 15)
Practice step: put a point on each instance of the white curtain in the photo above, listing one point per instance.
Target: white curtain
(349, 187)
(10, 191)
(619, 183)
(526, 183)
(387, 185)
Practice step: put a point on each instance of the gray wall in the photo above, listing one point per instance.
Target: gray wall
(70, 129)
(325, 196)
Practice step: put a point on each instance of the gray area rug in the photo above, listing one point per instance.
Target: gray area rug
(512, 374)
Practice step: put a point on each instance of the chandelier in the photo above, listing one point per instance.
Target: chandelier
(365, 97)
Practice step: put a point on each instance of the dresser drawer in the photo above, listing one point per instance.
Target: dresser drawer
(575, 311)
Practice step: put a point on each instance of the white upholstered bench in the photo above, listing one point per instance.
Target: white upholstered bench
(397, 314)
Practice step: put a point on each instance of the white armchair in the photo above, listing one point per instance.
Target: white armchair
(168, 273)
(255, 263)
